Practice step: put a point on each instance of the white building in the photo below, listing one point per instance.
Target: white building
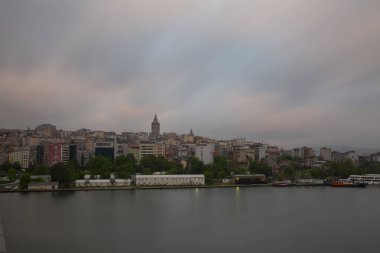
(205, 153)
(168, 179)
(102, 182)
(43, 186)
(65, 153)
(20, 155)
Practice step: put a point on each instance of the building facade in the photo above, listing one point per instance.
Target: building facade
(168, 179)
(205, 153)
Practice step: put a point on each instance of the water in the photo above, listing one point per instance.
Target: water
(262, 219)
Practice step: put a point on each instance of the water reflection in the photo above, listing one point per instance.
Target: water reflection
(237, 200)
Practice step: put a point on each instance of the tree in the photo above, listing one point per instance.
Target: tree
(25, 180)
(41, 170)
(7, 165)
(220, 168)
(195, 166)
(125, 166)
(208, 177)
(289, 171)
(260, 168)
(63, 174)
(12, 173)
(100, 165)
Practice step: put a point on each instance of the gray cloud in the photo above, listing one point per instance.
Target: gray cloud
(290, 73)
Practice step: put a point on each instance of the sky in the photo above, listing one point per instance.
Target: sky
(288, 73)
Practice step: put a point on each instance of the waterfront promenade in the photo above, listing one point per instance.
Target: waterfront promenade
(134, 188)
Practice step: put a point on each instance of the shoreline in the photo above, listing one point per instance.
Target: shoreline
(152, 187)
(130, 188)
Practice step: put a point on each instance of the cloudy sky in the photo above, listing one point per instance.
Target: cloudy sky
(287, 72)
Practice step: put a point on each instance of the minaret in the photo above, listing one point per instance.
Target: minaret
(155, 133)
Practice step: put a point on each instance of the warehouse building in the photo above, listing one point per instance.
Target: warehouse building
(168, 179)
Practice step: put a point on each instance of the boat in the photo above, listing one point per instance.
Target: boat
(341, 183)
(284, 183)
(371, 179)
(347, 183)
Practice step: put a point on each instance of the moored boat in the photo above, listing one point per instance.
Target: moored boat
(284, 183)
(346, 183)
(341, 183)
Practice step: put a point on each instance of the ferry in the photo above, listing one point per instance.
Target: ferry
(371, 179)
(347, 183)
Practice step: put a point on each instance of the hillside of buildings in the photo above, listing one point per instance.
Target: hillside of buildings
(69, 155)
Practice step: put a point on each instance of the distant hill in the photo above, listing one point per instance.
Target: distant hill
(360, 151)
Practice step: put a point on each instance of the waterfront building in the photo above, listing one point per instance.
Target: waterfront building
(168, 179)
(205, 153)
(249, 179)
(43, 186)
(102, 182)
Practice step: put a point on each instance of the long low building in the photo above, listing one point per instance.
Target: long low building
(249, 179)
(43, 186)
(168, 179)
(102, 182)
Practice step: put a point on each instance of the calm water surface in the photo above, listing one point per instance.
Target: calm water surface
(262, 219)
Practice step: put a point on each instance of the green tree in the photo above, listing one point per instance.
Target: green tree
(99, 165)
(260, 168)
(195, 166)
(208, 177)
(25, 180)
(289, 171)
(41, 170)
(63, 174)
(12, 174)
(220, 168)
(125, 166)
(7, 165)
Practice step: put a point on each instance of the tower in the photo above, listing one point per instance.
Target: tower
(155, 133)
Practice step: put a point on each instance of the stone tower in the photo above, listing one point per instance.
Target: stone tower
(155, 133)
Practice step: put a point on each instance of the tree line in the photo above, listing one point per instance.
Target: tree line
(125, 166)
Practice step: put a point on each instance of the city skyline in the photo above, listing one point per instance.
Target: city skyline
(291, 74)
